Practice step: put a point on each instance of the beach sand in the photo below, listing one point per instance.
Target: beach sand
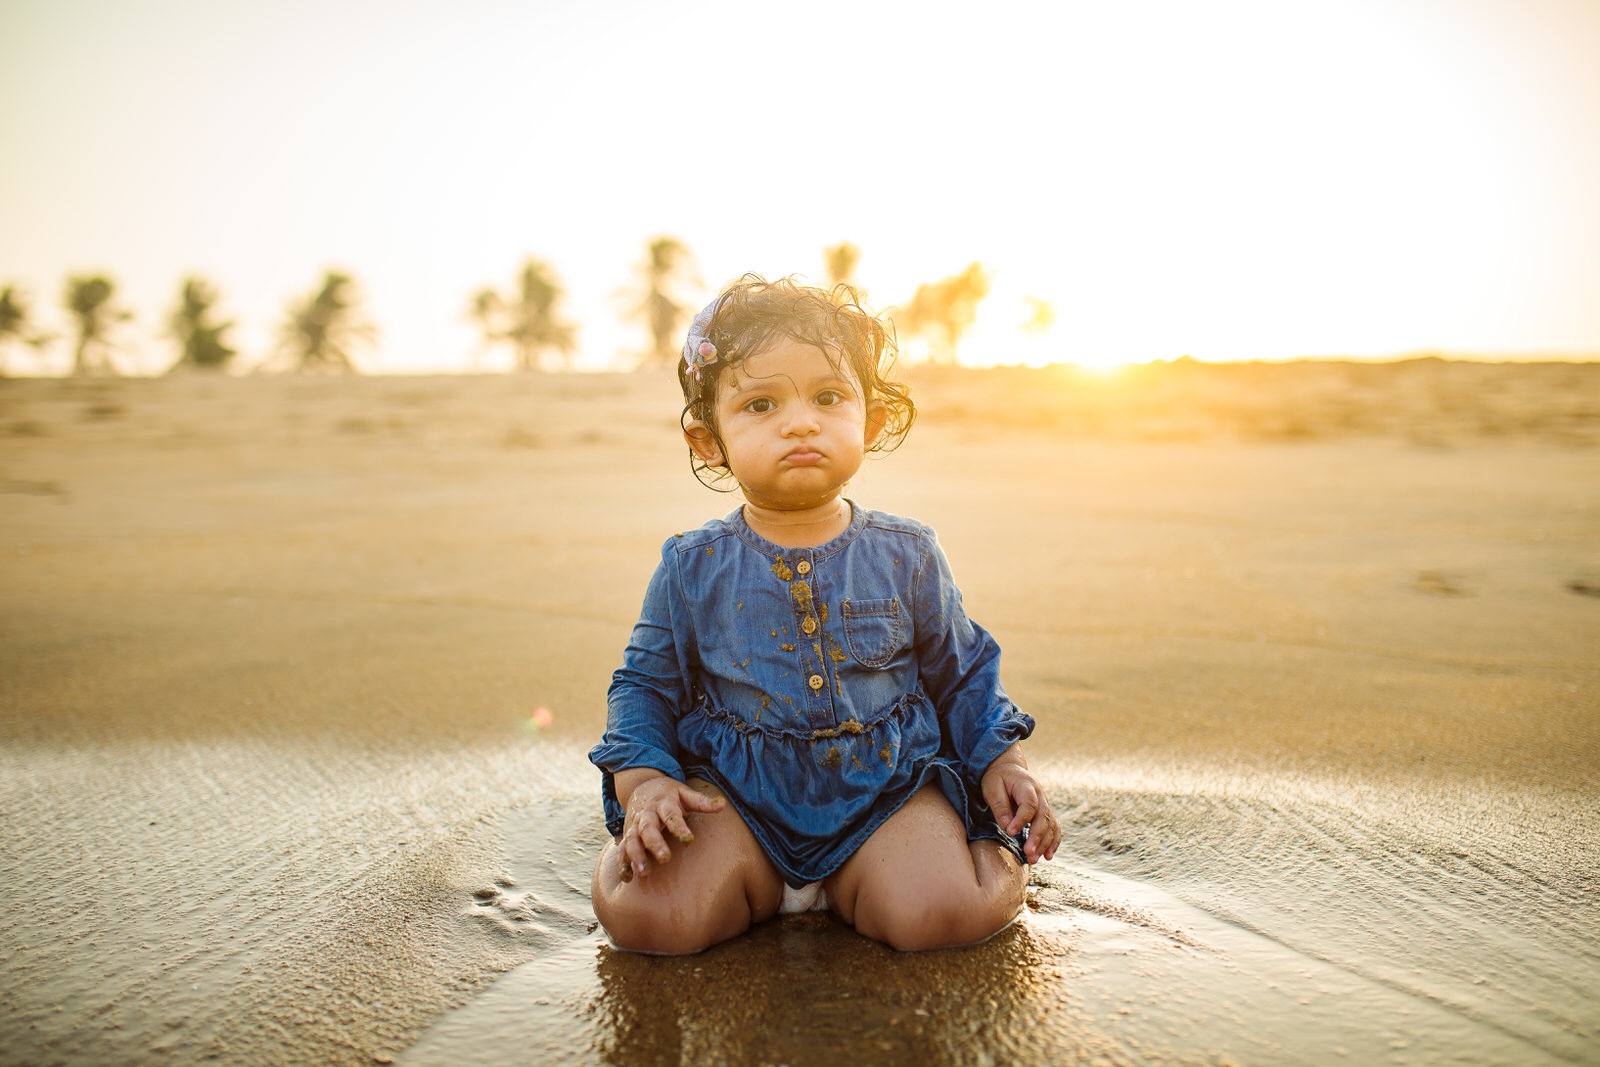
(1312, 650)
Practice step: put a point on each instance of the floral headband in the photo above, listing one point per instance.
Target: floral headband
(698, 351)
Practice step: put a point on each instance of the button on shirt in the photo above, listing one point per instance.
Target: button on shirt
(818, 688)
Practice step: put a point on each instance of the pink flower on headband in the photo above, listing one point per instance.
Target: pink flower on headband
(698, 351)
(702, 355)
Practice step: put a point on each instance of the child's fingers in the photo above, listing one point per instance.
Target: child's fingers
(1044, 838)
(652, 842)
(634, 859)
(1052, 840)
(641, 846)
(658, 816)
(645, 850)
(691, 800)
(695, 800)
(1044, 832)
(678, 827)
(1033, 811)
(1026, 795)
(999, 801)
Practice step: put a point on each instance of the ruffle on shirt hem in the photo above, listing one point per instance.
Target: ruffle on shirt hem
(974, 813)
(703, 706)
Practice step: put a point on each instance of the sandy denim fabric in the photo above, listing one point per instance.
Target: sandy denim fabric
(818, 688)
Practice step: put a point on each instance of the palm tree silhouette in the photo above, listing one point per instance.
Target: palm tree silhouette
(840, 261)
(529, 321)
(666, 269)
(14, 326)
(322, 328)
(88, 298)
(190, 324)
(942, 311)
(484, 312)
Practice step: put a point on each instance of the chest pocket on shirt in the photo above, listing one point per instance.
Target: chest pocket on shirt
(872, 630)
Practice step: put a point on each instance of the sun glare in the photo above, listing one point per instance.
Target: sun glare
(1107, 368)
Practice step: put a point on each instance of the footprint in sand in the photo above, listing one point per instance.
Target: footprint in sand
(518, 914)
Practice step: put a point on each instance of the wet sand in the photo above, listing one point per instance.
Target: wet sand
(1311, 648)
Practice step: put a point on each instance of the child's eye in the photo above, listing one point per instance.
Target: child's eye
(829, 397)
(759, 406)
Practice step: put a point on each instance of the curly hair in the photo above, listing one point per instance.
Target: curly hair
(752, 312)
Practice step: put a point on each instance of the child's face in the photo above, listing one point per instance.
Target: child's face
(794, 429)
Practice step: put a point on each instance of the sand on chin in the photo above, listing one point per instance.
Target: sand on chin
(1311, 650)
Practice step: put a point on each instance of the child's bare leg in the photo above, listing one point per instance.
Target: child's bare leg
(918, 883)
(711, 889)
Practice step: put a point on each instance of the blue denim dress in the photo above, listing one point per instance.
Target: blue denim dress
(819, 688)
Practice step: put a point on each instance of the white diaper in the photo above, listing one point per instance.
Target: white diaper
(809, 897)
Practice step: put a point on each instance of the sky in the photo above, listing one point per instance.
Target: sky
(1235, 179)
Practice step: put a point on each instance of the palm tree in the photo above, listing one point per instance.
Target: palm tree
(322, 328)
(88, 298)
(841, 260)
(190, 324)
(485, 314)
(942, 311)
(667, 268)
(529, 321)
(14, 315)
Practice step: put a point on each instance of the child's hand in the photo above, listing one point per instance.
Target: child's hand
(655, 808)
(1017, 800)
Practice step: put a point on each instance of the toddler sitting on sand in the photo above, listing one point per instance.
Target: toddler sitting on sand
(805, 717)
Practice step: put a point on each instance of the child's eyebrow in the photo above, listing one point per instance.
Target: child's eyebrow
(825, 380)
(833, 375)
(749, 385)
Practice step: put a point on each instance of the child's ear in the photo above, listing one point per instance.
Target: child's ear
(702, 442)
(877, 418)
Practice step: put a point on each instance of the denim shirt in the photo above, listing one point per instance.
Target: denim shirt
(817, 687)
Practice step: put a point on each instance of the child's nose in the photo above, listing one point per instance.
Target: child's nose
(802, 420)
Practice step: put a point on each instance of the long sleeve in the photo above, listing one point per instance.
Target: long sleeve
(648, 693)
(960, 669)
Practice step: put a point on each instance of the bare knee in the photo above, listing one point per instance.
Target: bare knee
(915, 914)
(681, 908)
(644, 917)
(658, 930)
(934, 921)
